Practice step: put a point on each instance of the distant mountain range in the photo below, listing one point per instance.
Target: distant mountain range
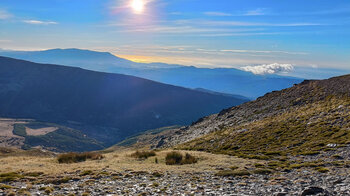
(231, 81)
(107, 107)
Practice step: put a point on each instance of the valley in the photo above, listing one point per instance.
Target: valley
(290, 142)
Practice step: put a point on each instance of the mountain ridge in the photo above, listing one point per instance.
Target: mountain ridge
(226, 80)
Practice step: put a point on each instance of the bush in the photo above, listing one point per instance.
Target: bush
(143, 154)
(173, 158)
(73, 157)
(176, 158)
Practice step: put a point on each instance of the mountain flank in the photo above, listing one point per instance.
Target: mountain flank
(309, 118)
(107, 107)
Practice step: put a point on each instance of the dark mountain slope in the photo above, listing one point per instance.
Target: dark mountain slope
(231, 81)
(107, 106)
(309, 118)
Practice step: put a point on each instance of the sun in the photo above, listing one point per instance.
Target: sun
(138, 6)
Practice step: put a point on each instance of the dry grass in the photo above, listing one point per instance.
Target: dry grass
(121, 161)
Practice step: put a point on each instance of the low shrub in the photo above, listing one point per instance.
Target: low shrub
(73, 157)
(143, 154)
(173, 158)
(176, 158)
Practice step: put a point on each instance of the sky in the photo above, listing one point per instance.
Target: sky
(253, 35)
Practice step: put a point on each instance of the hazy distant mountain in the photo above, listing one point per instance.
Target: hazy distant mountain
(231, 81)
(108, 107)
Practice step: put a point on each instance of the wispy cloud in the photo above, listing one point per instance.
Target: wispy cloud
(256, 12)
(39, 22)
(4, 14)
(5, 41)
(217, 14)
(240, 23)
(274, 68)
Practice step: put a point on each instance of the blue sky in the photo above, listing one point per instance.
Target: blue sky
(205, 33)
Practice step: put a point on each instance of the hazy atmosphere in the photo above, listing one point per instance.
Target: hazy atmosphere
(279, 36)
(175, 97)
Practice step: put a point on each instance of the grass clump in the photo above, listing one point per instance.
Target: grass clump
(262, 171)
(227, 173)
(9, 177)
(86, 173)
(322, 169)
(73, 157)
(176, 158)
(5, 186)
(143, 154)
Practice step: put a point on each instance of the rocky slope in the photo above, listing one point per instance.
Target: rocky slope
(312, 106)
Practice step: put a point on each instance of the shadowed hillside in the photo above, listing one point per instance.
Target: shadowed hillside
(108, 107)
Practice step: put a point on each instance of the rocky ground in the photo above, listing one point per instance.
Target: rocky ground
(301, 182)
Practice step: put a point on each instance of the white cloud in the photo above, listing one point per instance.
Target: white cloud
(4, 15)
(269, 68)
(38, 22)
(217, 14)
(256, 12)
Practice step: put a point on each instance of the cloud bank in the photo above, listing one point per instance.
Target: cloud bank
(274, 68)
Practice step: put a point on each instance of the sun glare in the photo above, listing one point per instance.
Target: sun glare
(138, 6)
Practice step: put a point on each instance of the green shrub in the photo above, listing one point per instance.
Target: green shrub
(143, 154)
(176, 158)
(73, 157)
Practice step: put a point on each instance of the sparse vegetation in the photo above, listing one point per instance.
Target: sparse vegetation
(143, 154)
(226, 173)
(262, 171)
(73, 157)
(322, 169)
(20, 130)
(176, 158)
(300, 130)
(9, 177)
